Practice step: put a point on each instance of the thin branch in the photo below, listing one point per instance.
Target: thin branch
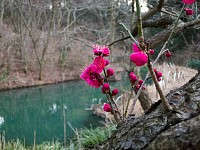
(161, 22)
(164, 35)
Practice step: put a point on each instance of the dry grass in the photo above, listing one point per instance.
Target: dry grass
(173, 77)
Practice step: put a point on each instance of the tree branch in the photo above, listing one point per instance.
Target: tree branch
(163, 36)
(162, 22)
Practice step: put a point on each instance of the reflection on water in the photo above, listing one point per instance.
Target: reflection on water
(40, 109)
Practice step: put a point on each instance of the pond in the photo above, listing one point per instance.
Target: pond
(40, 109)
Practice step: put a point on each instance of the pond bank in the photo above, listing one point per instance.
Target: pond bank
(18, 79)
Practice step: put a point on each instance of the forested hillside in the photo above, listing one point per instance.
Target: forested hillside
(44, 41)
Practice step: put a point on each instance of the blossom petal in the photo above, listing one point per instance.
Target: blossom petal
(139, 58)
(188, 1)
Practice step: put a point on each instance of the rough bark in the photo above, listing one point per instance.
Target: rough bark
(158, 129)
(145, 100)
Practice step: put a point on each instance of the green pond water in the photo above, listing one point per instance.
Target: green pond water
(40, 109)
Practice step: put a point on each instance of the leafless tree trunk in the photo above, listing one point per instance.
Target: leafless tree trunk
(30, 25)
(1, 17)
(41, 60)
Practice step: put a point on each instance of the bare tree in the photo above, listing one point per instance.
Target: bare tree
(1, 17)
(32, 30)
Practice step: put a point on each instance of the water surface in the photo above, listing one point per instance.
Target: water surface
(40, 109)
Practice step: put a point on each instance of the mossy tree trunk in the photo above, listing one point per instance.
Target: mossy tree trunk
(160, 129)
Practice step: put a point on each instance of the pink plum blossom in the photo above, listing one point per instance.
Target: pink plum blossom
(158, 74)
(115, 92)
(101, 50)
(151, 51)
(99, 63)
(106, 86)
(91, 77)
(140, 82)
(110, 72)
(106, 62)
(168, 54)
(135, 48)
(137, 87)
(132, 77)
(189, 11)
(107, 107)
(139, 58)
(106, 51)
(97, 50)
(188, 1)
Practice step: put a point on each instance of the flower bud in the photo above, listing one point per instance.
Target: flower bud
(132, 77)
(115, 92)
(168, 54)
(106, 62)
(158, 74)
(106, 86)
(110, 72)
(189, 11)
(137, 87)
(151, 51)
(140, 82)
(107, 107)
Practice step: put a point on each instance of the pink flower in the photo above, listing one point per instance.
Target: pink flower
(115, 92)
(140, 82)
(99, 63)
(135, 48)
(91, 77)
(106, 86)
(137, 87)
(189, 11)
(151, 51)
(132, 77)
(158, 74)
(97, 50)
(101, 51)
(168, 54)
(107, 107)
(188, 1)
(106, 51)
(139, 58)
(110, 72)
(106, 62)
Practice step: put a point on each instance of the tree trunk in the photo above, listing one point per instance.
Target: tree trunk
(1, 17)
(145, 100)
(163, 130)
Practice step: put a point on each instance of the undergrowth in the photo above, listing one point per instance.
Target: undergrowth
(84, 138)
